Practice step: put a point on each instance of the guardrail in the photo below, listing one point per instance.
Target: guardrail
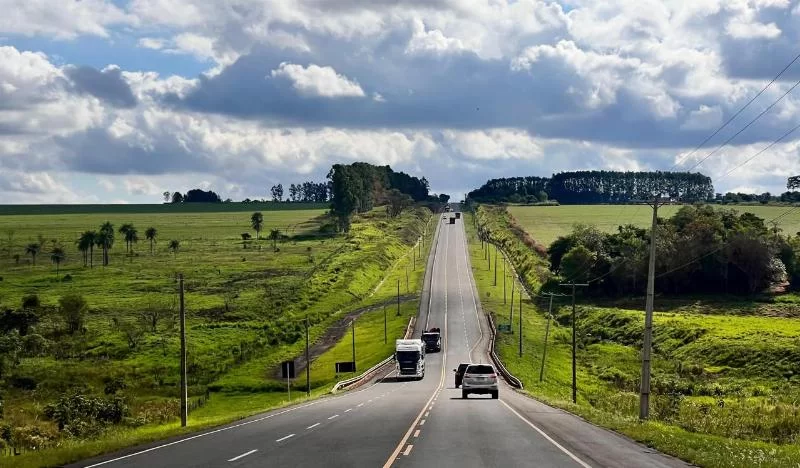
(354, 381)
(510, 378)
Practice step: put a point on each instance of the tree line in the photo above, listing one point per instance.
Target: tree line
(732, 252)
(305, 192)
(359, 187)
(593, 187)
(763, 198)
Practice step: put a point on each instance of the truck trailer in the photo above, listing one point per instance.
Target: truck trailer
(409, 358)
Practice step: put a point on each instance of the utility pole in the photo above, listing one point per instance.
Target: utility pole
(511, 315)
(546, 334)
(184, 390)
(384, 325)
(353, 325)
(504, 280)
(407, 290)
(495, 264)
(398, 298)
(644, 396)
(574, 373)
(308, 364)
(520, 324)
(489, 256)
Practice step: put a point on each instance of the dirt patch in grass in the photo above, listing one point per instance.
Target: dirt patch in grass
(336, 332)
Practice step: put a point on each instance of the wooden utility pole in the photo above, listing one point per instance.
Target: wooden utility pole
(574, 372)
(495, 264)
(520, 324)
(504, 280)
(398, 298)
(353, 325)
(546, 334)
(644, 395)
(511, 315)
(184, 390)
(308, 364)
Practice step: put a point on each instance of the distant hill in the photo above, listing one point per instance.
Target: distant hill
(157, 208)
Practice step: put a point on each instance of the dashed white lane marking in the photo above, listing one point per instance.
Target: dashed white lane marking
(408, 449)
(416, 434)
(549, 439)
(422, 423)
(428, 413)
(348, 410)
(284, 438)
(312, 426)
(334, 416)
(243, 455)
(359, 405)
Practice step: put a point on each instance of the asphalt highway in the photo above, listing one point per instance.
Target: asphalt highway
(410, 423)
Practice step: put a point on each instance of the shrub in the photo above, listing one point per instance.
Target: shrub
(73, 308)
(24, 382)
(84, 415)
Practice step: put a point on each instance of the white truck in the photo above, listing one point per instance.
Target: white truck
(409, 358)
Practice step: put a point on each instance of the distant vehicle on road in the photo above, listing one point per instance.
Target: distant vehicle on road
(481, 379)
(460, 372)
(409, 358)
(433, 340)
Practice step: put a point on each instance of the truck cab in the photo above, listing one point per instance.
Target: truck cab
(410, 358)
(433, 340)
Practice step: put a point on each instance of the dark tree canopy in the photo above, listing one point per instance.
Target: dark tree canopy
(359, 187)
(201, 196)
(589, 187)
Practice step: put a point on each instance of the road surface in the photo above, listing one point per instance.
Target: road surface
(410, 423)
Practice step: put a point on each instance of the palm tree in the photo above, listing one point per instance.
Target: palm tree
(131, 237)
(257, 222)
(124, 229)
(33, 250)
(150, 234)
(174, 245)
(274, 235)
(86, 246)
(105, 239)
(57, 256)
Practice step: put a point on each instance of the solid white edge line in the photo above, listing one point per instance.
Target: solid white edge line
(284, 438)
(549, 439)
(243, 455)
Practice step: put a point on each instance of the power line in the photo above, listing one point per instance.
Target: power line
(731, 119)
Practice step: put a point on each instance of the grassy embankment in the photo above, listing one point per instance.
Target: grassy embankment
(725, 373)
(546, 223)
(323, 278)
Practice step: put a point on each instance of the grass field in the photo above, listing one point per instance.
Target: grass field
(157, 208)
(245, 314)
(546, 223)
(725, 386)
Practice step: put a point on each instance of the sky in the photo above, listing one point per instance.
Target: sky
(117, 101)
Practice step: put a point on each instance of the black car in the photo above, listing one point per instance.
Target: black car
(460, 372)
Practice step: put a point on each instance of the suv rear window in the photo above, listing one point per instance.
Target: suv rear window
(480, 369)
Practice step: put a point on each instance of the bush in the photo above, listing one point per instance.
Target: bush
(73, 308)
(84, 415)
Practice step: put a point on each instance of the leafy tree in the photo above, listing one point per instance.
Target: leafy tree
(174, 245)
(202, 196)
(277, 192)
(444, 198)
(131, 237)
(10, 350)
(577, 263)
(793, 182)
(274, 235)
(73, 308)
(257, 223)
(57, 256)
(33, 250)
(167, 196)
(150, 234)
(31, 302)
(397, 202)
(20, 320)
(177, 197)
(86, 243)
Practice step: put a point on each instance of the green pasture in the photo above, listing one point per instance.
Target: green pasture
(546, 223)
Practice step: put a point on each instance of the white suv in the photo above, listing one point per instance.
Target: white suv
(479, 378)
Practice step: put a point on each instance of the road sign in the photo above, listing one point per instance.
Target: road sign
(287, 370)
(344, 367)
(504, 327)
